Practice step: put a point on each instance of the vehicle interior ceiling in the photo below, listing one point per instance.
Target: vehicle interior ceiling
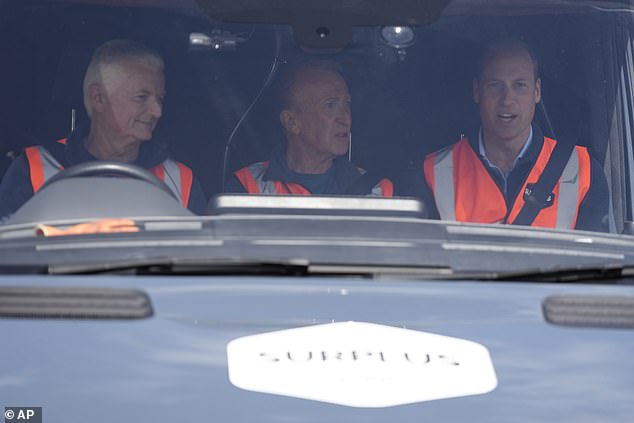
(424, 99)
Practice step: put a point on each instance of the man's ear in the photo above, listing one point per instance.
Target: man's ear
(476, 91)
(538, 90)
(289, 121)
(97, 97)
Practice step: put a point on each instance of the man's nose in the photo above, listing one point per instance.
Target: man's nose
(508, 95)
(345, 115)
(155, 108)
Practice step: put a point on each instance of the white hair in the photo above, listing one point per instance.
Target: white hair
(112, 56)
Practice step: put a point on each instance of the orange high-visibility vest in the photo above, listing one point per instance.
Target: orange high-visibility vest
(252, 179)
(465, 191)
(177, 176)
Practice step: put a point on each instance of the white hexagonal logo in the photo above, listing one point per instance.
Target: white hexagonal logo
(360, 365)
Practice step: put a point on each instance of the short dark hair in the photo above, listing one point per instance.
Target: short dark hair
(503, 46)
(289, 76)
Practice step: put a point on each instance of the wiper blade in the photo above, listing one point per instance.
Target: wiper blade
(179, 266)
(291, 267)
(610, 273)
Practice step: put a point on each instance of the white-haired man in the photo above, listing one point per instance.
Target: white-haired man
(124, 87)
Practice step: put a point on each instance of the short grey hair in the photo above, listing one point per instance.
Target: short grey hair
(115, 53)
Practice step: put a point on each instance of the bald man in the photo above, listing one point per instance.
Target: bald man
(316, 118)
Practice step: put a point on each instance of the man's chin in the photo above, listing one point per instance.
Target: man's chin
(341, 147)
(143, 132)
(142, 137)
(340, 153)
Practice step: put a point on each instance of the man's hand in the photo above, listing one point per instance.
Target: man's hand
(99, 226)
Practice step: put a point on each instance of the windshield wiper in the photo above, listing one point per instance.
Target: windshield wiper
(177, 266)
(610, 273)
(274, 267)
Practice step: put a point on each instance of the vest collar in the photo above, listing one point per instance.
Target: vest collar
(152, 153)
(278, 169)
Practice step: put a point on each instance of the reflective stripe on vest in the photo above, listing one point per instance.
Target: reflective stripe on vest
(384, 188)
(252, 179)
(42, 166)
(177, 176)
(465, 191)
(442, 181)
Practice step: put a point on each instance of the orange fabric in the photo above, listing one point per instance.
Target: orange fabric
(387, 188)
(290, 188)
(249, 183)
(428, 168)
(584, 176)
(187, 178)
(99, 226)
(159, 172)
(247, 180)
(36, 170)
(548, 216)
(478, 198)
(35, 167)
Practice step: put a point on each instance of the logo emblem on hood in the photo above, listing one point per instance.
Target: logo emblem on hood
(360, 364)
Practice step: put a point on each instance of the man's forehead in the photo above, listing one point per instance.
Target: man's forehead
(517, 62)
(317, 81)
(135, 73)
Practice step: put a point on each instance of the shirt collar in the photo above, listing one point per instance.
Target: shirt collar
(482, 149)
(278, 166)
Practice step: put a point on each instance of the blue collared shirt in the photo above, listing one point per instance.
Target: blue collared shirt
(503, 175)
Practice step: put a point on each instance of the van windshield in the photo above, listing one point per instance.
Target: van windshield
(488, 112)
